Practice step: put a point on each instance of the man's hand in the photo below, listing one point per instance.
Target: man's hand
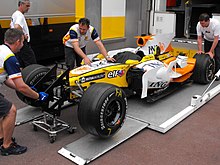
(110, 59)
(210, 54)
(199, 52)
(43, 96)
(87, 61)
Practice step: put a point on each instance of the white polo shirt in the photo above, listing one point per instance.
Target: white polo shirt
(18, 18)
(9, 66)
(211, 31)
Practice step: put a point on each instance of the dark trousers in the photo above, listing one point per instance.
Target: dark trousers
(71, 57)
(207, 47)
(26, 55)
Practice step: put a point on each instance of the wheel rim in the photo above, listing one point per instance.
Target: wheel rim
(113, 113)
(210, 71)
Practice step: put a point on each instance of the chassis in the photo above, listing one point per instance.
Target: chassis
(101, 90)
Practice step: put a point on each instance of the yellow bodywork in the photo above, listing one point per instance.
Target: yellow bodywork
(115, 74)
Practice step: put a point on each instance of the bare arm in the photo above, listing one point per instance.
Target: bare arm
(17, 26)
(20, 86)
(10, 83)
(199, 42)
(215, 42)
(103, 51)
(81, 53)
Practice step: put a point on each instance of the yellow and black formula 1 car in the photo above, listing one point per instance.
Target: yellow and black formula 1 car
(101, 90)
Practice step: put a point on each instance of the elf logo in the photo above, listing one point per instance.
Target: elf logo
(115, 73)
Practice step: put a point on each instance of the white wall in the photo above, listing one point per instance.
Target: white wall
(113, 8)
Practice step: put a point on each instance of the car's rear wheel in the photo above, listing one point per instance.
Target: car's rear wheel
(102, 110)
(204, 70)
(31, 75)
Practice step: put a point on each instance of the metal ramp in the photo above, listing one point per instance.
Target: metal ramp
(27, 114)
(165, 113)
(89, 147)
(160, 116)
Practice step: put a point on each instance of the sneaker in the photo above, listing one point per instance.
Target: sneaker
(1, 140)
(13, 149)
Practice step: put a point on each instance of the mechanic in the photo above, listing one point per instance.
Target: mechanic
(10, 75)
(210, 28)
(26, 55)
(75, 43)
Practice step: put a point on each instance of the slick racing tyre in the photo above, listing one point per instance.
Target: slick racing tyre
(102, 110)
(31, 75)
(204, 70)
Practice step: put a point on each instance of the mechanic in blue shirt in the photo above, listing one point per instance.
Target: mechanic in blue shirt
(75, 43)
(10, 75)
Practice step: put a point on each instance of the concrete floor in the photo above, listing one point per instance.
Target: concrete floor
(196, 140)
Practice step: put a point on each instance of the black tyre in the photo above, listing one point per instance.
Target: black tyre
(204, 70)
(102, 110)
(31, 75)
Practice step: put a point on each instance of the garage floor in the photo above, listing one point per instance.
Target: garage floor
(196, 140)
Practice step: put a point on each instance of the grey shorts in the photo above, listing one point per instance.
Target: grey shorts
(5, 106)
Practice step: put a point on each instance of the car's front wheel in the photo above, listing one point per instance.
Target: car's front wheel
(102, 110)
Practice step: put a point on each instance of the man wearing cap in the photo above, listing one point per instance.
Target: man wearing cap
(26, 55)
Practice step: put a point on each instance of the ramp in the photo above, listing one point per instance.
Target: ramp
(27, 114)
(165, 113)
(89, 147)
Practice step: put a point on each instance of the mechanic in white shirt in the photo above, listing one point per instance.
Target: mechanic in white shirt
(209, 28)
(75, 42)
(26, 55)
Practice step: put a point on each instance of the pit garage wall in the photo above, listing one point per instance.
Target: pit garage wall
(117, 21)
(113, 19)
(137, 20)
(108, 17)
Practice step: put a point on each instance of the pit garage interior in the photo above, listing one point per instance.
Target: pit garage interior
(173, 130)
